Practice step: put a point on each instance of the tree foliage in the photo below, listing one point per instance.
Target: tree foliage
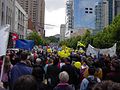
(36, 37)
(109, 35)
(52, 39)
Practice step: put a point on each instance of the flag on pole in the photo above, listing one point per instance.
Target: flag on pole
(15, 36)
(80, 44)
(25, 44)
(4, 35)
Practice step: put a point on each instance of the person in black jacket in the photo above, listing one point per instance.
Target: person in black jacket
(38, 73)
(70, 70)
(53, 73)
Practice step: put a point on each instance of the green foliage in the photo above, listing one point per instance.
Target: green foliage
(109, 35)
(36, 37)
(52, 39)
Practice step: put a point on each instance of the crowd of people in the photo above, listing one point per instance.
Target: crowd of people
(42, 70)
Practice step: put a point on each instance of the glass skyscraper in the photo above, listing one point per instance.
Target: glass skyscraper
(101, 12)
(84, 13)
(111, 10)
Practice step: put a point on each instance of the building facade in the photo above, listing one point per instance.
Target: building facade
(62, 32)
(84, 13)
(7, 17)
(21, 22)
(6, 13)
(36, 11)
(117, 7)
(69, 17)
(111, 10)
(101, 12)
(80, 14)
(114, 9)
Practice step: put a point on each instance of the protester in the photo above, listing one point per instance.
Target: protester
(25, 82)
(107, 85)
(6, 70)
(38, 73)
(20, 69)
(114, 74)
(63, 85)
(90, 81)
(53, 72)
(1, 86)
(70, 70)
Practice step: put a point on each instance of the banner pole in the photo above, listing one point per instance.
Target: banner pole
(2, 68)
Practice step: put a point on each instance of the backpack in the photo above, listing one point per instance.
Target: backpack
(91, 83)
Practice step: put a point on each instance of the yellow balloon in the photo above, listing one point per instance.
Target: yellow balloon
(77, 65)
(49, 50)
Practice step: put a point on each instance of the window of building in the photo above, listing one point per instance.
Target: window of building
(7, 15)
(90, 12)
(104, 2)
(71, 31)
(86, 8)
(86, 11)
(2, 16)
(90, 9)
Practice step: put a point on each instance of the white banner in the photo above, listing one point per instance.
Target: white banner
(94, 51)
(111, 51)
(4, 35)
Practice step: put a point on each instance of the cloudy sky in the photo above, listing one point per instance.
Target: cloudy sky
(54, 15)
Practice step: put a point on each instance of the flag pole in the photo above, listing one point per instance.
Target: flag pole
(2, 68)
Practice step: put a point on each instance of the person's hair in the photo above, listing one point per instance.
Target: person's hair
(91, 70)
(25, 82)
(116, 65)
(7, 64)
(68, 60)
(107, 85)
(38, 72)
(24, 55)
(55, 60)
(63, 76)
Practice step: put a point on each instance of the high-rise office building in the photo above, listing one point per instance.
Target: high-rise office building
(117, 7)
(84, 13)
(111, 10)
(20, 21)
(114, 9)
(13, 14)
(62, 32)
(80, 14)
(36, 11)
(69, 14)
(69, 18)
(101, 12)
(7, 13)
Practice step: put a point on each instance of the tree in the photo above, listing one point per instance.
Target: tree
(36, 37)
(52, 39)
(109, 35)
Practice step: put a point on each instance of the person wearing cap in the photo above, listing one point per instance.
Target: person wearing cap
(63, 85)
(77, 66)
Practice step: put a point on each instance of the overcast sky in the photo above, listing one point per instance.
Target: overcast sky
(54, 15)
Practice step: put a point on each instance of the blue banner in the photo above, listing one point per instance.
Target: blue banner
(24, 44)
